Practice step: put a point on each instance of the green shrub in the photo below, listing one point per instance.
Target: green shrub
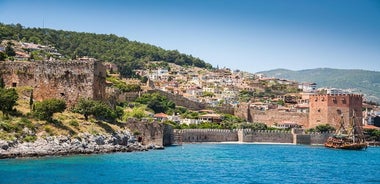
(44, 110)
(30, 138)
(74, 123)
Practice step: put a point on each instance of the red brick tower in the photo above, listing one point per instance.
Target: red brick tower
(328, 109)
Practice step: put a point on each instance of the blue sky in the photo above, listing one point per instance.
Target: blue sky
(250, 35)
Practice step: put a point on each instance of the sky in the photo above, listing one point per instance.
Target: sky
(249, 35)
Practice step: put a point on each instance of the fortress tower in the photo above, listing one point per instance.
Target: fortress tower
(328, 109)
(68, 80)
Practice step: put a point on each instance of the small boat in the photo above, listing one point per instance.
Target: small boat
(351, 138)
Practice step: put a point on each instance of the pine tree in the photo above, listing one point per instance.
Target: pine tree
(2, 84)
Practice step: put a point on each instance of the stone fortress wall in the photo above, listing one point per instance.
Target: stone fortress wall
(68, 80)
(270, 117)
(179, 136)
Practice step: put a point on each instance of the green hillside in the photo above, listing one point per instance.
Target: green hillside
(368, 82)
(120, 50)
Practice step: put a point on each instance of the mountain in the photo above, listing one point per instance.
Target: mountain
(120, 50)
(367, 82)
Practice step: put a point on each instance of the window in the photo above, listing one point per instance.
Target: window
(339, 111)
(14, 84)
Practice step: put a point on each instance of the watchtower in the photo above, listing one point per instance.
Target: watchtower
(328, 109)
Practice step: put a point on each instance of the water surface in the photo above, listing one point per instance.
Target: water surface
(202, 163)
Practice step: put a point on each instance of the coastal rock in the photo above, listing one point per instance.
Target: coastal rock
(83, 143)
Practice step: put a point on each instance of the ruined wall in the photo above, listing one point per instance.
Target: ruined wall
(267, 136)
(69, 80)
(330, 108)
(17, 73)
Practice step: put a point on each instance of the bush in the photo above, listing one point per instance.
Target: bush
(44, 110)
(30, 138)
(74, 123)
(100, 110)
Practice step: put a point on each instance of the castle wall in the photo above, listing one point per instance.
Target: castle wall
(180, 100)
(267, 136)
(247, 135)
(208, 135)
(152, 133)
(271, 117)
(69, 80)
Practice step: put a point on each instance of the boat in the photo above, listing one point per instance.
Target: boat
(351, 138)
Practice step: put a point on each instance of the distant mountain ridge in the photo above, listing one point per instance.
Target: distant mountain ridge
(367, 82)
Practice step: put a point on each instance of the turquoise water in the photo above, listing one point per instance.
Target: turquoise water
(202, 163)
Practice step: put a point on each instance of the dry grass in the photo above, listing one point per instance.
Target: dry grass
(66, 123)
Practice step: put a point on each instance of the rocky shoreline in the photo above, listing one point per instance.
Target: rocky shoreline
(83, 143)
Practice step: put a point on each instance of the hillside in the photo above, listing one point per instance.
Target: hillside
(120, 50)
(368, 82)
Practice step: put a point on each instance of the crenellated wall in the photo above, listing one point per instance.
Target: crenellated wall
(246, 135)
(68, 80)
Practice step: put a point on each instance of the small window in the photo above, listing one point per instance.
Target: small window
(339, 111)
(62, 94)
(14, 84)
(316, 99)
(319, 110)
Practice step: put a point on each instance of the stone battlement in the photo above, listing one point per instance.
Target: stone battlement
(326, 95)
(248, 135)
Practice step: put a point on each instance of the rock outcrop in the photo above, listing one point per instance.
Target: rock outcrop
(83, 143)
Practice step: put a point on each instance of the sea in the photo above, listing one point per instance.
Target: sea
(202, 163)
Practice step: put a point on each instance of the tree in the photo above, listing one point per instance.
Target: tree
(8, 99)
(31, 100)
(44, 110)
(324, 128)
(100, 110)
(156, 102)
(3, 56)
(84, 107)
(2, 83)
(9, 49)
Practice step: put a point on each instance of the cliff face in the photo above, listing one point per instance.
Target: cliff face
(69, 80)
